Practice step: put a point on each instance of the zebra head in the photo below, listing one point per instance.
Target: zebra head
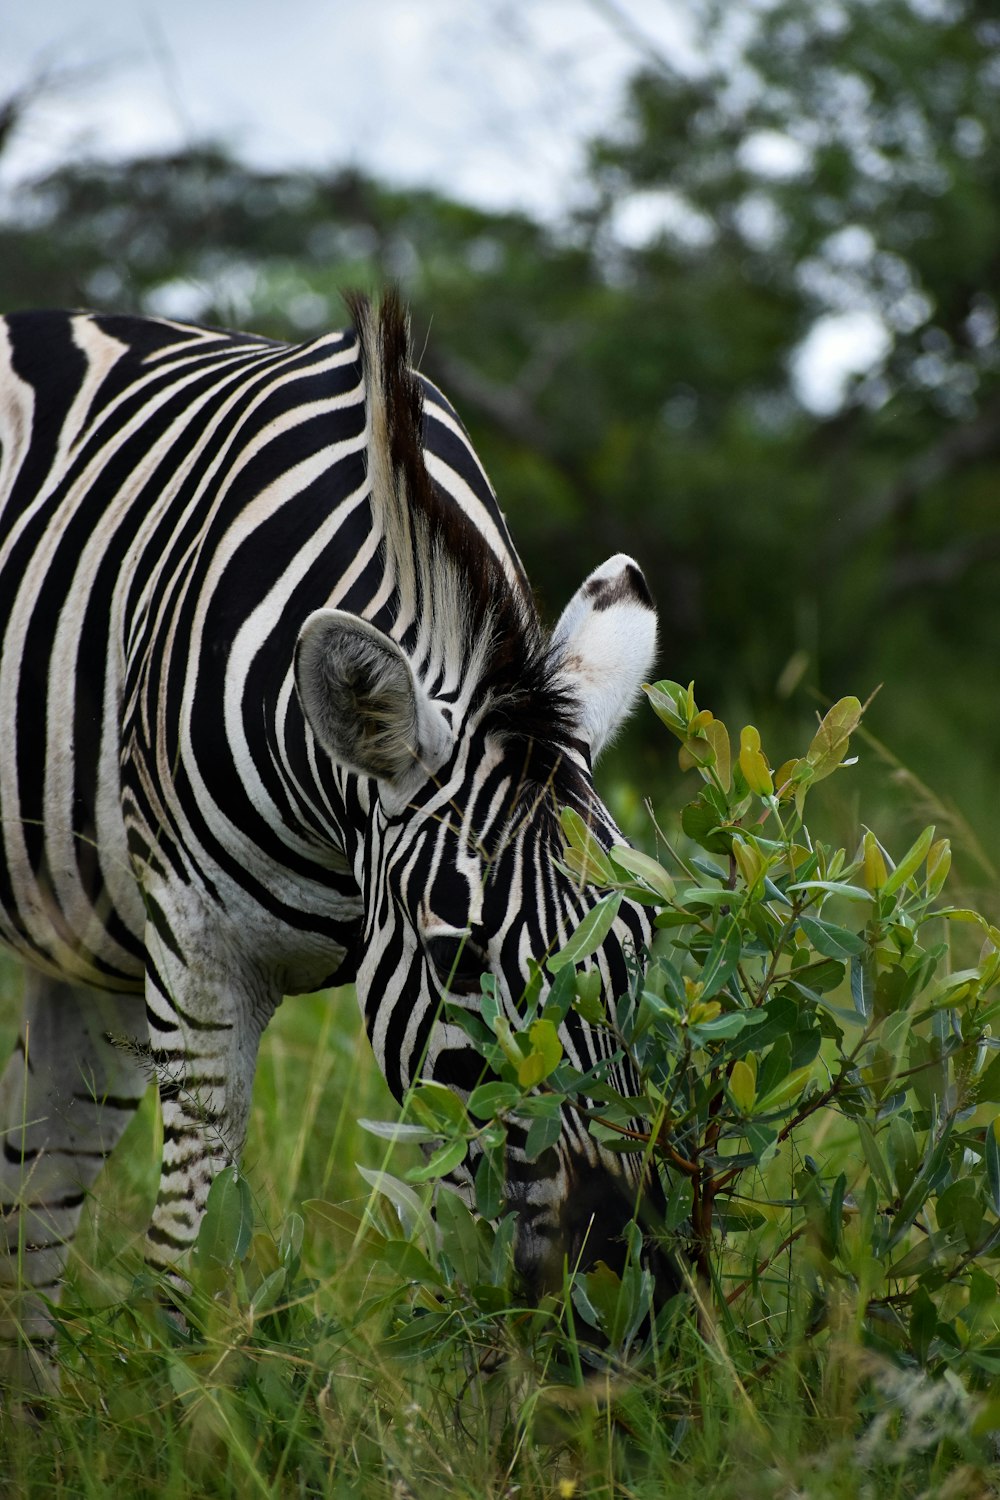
(464, 728)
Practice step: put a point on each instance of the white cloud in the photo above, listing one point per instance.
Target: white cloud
(837, 348)
(643, 217)
(491, 102)
(771, 153)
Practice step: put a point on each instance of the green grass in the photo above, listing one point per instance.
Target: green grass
(319, 1393)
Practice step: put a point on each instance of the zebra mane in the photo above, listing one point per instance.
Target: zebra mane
(471, 620)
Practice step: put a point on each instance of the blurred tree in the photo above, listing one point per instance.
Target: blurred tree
(640, 378)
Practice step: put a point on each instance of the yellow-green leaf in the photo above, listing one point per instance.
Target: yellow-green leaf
(911, 861)
(645, 869)
(591, 862)
(938, 865)
(435, 1105)
(718, 737)
(589, 935)
(749, 860)
(531, 1070)
(584, 870)
(829, 743)
(789, 1088)
(753, 764)
(699, 752)
(505, 1036)
(742, 1086)
(544, 1057)
(669, 703)
(784, 779)
(875, 872)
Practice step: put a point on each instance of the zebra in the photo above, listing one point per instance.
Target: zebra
(278, 711)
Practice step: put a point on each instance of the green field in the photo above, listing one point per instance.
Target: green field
(333, 1412)
(337, 1347)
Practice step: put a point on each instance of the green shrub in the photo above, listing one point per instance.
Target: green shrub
(819, 1082)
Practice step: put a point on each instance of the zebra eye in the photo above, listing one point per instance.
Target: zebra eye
(458, 961)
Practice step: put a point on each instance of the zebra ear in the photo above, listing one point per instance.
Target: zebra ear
(604, 646)
(363, 703)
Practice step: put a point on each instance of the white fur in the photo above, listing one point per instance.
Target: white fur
(605, 654)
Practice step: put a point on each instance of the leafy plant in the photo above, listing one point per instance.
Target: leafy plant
(819, 1076)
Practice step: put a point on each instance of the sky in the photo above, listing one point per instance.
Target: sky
(491, 101)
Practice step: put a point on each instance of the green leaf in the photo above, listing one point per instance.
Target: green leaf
(835, 1213)
(830, 940)
(490, 1099)
(460, 1238)
(544, 1057)
(587, 1000)
(508, 1041)
(987, 1085)
(589, 935)
(543, 1133)
(718, 738)
(903, 1154)
(992, 1158)
(680, 1201)
(290, 1244)
(227, 1227)
(669, 703)
(873, 1156)
(591, 863)
(933, 1168)
(862, 984)
(701, 824)
(938, 865)
(398, 1130)
(923, 1323)
(411, 1211)
(490, 1181)
(829, 744)
(723, 1027)
(822, 977)
(763, 1143)
(441, 1161)
(438, 1107)
(833, 888)
(268, 1293)
(738, 1218)
(410, 1262)
(419, 1334)
(645, 869)
(959, 1208)
(611, 1301)
(910, 863)
(722, 957)
(750, 862)
(783, 1093)
(963, 914)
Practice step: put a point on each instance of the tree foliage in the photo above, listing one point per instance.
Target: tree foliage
(630, 377)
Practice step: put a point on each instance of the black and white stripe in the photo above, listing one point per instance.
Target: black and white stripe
(276, 708)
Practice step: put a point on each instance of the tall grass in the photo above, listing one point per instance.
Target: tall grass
(316, 1394)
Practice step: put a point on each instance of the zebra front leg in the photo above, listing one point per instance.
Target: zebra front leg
(66, 1095)
(205, 1023)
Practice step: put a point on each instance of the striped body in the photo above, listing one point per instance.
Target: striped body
(277, 711)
